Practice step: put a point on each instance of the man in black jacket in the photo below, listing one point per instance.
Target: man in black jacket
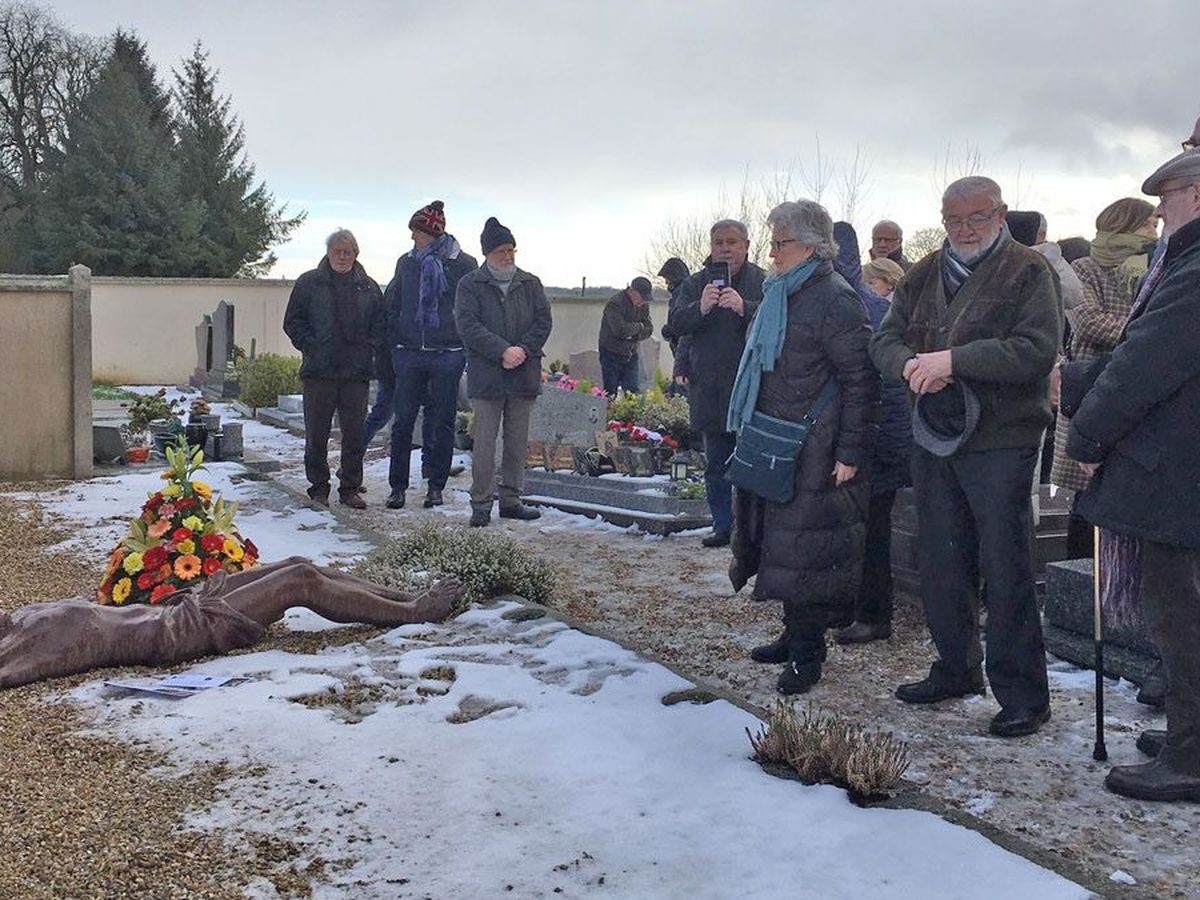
(427, 353)
(1136, 434)
(715, 319)
(624, 325)
(335, 319)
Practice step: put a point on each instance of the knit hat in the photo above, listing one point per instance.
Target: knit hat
(430, 219)
(642, 286)
(1023, 226)
(494, 235)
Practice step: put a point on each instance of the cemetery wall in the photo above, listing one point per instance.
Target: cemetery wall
(45, 393)
(577, 328)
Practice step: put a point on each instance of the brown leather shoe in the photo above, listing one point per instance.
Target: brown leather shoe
(353, 500)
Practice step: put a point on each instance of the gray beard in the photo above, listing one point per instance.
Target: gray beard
(502, 273)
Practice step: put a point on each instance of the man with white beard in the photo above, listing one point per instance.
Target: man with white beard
(974, 329)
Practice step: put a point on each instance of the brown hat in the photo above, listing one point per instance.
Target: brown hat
(1186, 166)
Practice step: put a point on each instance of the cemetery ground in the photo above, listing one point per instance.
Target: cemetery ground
(352, 765)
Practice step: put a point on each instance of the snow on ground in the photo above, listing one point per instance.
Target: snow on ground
(549, 762)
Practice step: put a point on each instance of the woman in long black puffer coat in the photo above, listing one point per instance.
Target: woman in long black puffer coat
(807, 553)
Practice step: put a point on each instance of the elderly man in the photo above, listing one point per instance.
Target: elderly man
(624, 325)
(427, 353)
(335, 319)
(1136, 434)
(981, 314)
(887, 242)
(714, 315)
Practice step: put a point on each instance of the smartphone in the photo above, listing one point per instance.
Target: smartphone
(718, 274)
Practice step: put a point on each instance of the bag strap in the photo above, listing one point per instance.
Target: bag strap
(827, 394)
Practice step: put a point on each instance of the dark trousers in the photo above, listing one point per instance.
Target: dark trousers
(874, 602)
(426, 378)
(323, 397)
(718, 447)
(1171, 603)
(975, 518)
(385, 404)
(619, 372)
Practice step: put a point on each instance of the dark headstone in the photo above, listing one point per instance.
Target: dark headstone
(203, 352)
(107, 443)
(221, 383)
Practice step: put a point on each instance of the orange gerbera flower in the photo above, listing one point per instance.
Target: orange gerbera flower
(187, 566)
(163, 590)
(159, 528)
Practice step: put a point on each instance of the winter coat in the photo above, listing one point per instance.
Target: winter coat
(403, 294)
(330, 348)
(717, 340)
(1004, 327)
(1141, 418)
(808, 552)
(624, 325)
(890, 461)
(490, 323)
(1072, 290)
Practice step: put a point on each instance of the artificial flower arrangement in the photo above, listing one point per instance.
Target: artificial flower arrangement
(182, 537)
(636, 434)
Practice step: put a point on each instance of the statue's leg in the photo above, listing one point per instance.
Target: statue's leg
(340, 599)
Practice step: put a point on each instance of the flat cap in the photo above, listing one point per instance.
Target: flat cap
(1186, 166)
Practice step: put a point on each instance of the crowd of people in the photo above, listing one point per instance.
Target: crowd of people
(822, 386)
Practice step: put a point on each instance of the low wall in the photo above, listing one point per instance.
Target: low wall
(46, 391)
(577, 327)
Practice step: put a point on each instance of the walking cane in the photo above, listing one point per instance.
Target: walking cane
(1099, 752)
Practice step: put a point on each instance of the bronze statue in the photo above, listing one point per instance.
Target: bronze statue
(64, 637)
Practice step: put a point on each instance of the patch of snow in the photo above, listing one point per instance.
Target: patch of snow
(1120, 876)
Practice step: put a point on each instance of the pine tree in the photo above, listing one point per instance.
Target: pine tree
(240, 222)
(113, 199)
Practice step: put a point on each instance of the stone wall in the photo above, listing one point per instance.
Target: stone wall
(46, 388)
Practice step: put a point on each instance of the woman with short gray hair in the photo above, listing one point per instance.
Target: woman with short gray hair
(806, 356)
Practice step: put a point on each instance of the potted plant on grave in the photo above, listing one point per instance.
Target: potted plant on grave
(150, 414)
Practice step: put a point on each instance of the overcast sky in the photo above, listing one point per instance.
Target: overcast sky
(584, 126)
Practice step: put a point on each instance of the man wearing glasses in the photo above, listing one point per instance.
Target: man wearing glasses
(974, 329)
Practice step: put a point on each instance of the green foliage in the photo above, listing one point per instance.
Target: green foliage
(669, 415)
(584, 386)
(261, 380)
(661, 381)
(488, 563)
(626, 407)
(102, 391)
(693, 488)
(147, 408)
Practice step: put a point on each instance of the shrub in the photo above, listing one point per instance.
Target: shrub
(823, 748)
(147, 408)
(669, 415)
(487, 563)
(626, 407)
(265, 377)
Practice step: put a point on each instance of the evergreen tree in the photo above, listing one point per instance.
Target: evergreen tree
(240, 222)
(113, 199)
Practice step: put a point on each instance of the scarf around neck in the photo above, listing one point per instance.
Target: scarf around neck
(764, 341)
(1112, 248)
(434, 285)
(955, 271)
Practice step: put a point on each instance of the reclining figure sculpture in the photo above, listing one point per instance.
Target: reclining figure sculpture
(65, 637)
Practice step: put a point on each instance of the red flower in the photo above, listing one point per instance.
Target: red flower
(185, 503)
(154, 557)
(163, 590)
(163, 573)
(145, 581)
(210, 565)
(211, 543)
(155, 500)
(181, 534)
(106, 587)
(251, 550)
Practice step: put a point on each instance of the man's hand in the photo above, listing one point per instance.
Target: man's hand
(843, 473)
(681, 379)
(731, 299)
(1056, 386)
(513, 357)
(1089, 469)
(925, 370)
(709, 297)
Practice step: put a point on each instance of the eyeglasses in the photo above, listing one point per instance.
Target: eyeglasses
(778, 245)
(1175, 190)
(975, 221)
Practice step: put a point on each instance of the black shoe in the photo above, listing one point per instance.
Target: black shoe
(352, 499)
(480, 518)
(716, 539)
(1153, 781)
(798, 678)
(520, 511)
(774, 653)
(395, 500)
(862, 633)
(1151, 741)
(936, 688)
(1153, 691)
(1019, 722)
(433, 498)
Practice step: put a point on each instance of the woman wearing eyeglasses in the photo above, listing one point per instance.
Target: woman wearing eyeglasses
(806, 355)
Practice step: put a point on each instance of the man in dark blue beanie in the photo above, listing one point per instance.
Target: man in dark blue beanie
(494, 235)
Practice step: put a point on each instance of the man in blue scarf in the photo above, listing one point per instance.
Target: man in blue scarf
(427, 353)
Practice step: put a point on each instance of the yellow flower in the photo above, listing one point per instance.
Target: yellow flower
(133, 563)
(233, 549)
(186, 547)
(193, 523)
(167, 474)
(202, 489)
(172, 490)
(121, 590)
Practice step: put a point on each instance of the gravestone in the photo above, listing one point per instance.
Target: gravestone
(567, 417)
(203, 352)
(649, 352)
(586, 364)
(107, 443)
(230, 437)
(221, 384)
(647, 502)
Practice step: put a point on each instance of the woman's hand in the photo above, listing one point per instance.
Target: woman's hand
(843, 473)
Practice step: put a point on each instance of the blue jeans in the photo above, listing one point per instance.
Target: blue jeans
(429, 379)
(385, 404)
(718, 447)
(619, 372)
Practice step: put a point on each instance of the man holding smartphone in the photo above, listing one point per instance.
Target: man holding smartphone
(714, 308)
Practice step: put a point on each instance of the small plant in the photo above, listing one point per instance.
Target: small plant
(693, 488)
(669, 415)
(627, 406)
(147, 408)
(261, 380)
(823, 748)
(200, 407)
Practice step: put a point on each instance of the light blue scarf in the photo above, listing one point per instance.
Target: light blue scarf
(764, 342)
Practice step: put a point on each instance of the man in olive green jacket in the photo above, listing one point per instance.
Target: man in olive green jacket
(986, 312)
